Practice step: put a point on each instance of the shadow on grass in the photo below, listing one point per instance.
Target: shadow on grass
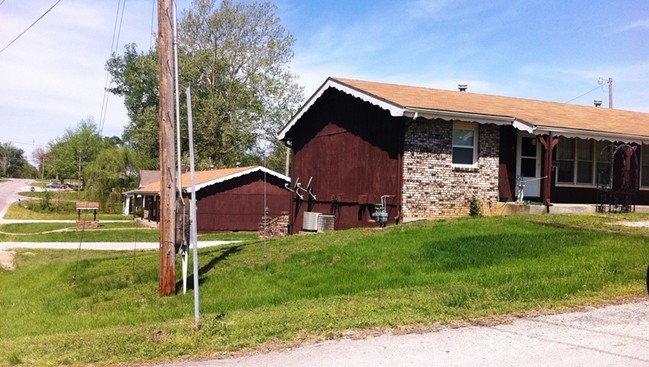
(209, 266)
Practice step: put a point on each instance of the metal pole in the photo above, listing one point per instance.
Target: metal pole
(610, 92)
(167, 214)
(183, 249)
(176, 95)
(192, 207)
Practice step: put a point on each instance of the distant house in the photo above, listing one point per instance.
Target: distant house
(425, 153)
(232, 199)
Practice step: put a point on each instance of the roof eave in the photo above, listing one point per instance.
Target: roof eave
(394, 109)
(415, 112)
(235, 175)
(592, 134)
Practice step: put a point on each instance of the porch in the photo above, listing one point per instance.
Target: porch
(509, 208)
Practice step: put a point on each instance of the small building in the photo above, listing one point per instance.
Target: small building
(422, 153)
(231, 199)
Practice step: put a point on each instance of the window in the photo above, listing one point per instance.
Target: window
(566, 160)
(644, 166)
(583, 162)
(603, 156)
(465, 140)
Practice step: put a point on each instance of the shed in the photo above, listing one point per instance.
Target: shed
(230, 199)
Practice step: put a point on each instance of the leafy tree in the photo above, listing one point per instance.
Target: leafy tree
(13, 163)
(78, 147)
(39, 155)
(235, 57)
(135, 78)
(115, 170)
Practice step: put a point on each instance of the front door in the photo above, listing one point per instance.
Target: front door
(528, 164)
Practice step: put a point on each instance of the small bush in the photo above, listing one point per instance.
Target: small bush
(474, 207)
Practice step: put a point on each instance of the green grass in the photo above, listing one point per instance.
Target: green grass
(310, 287)
(229, 236)
(16, 211)
(67, 232)
(68, 195)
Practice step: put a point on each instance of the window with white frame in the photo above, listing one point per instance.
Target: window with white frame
(465, 144)
(583, 162)
(644, 167)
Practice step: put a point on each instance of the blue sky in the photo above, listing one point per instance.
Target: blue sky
(53, 76)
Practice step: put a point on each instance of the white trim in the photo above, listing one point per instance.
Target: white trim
(523, 126)
(415, 112)
(239, 174)
(591, 134)
(395, 110)
(476, 136)
(532, 187)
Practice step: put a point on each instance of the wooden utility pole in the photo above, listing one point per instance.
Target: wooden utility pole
(166, 271)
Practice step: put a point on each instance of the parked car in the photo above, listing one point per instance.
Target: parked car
(55, 187)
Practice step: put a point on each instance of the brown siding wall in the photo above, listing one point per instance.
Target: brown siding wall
(351, 151)
(238, 204)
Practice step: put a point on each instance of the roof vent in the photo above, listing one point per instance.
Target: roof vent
(597, 102)
(462, 87)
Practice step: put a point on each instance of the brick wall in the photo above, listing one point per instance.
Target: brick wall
(432, 188)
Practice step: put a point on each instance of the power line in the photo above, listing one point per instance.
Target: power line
(36, 21)
(599, 86)
(117, 29)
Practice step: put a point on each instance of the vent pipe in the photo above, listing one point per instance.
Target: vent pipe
(462, 87)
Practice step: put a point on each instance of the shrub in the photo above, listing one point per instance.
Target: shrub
(474, 207)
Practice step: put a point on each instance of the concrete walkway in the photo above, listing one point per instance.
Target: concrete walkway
(106, 246)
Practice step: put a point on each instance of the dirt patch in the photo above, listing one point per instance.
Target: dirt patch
(7, 260)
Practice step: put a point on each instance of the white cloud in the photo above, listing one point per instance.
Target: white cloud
(637, 25)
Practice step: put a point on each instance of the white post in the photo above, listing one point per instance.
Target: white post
(193, 233)
(183, 249)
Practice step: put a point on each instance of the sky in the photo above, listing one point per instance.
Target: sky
(53, 76)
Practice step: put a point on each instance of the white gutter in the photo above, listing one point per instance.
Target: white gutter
(592, 134)
(414, 112)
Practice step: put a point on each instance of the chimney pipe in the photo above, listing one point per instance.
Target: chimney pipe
(462, 87)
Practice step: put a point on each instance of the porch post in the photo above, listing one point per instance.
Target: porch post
(548, 143)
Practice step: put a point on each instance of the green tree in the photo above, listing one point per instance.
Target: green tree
(69, 154)
(13, 163)
(135, 78)
(115, 170)
(235, 57)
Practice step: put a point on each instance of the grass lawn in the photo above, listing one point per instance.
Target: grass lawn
(310, 287)
(126, 231)
(15, 211)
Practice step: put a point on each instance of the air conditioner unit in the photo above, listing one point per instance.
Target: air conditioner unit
(310, 221)
(325, 223)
